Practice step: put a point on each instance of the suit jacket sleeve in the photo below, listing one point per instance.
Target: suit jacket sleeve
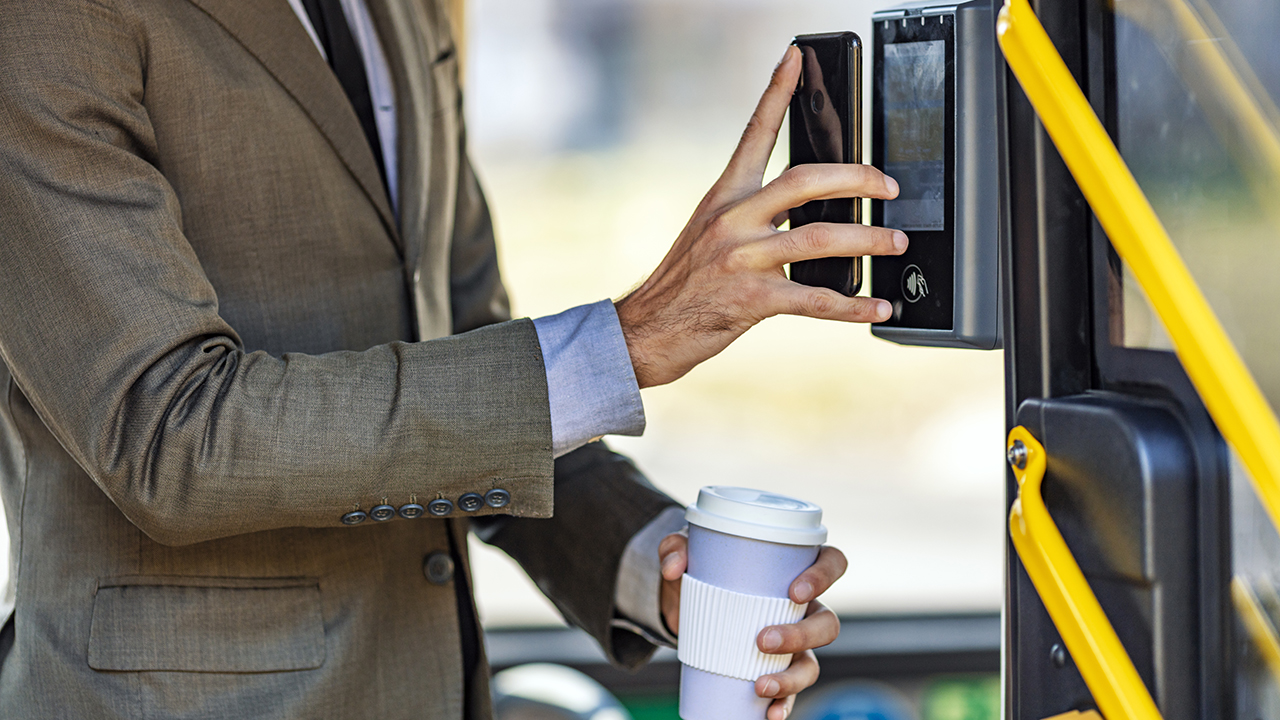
(602, 500)
(112, 330)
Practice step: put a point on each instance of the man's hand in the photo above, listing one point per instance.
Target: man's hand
(819, 627)
(725, 271)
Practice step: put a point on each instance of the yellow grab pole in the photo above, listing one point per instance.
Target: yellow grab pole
(1103, 662)
(1257, 624)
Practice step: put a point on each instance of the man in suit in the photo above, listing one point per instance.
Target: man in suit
(259, 374)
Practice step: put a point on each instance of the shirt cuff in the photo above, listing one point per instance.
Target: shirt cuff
(591, 385)
(637, 596)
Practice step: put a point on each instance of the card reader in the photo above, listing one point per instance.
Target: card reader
(937, 118)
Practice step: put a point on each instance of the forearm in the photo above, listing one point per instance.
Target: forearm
(602, 501)
(638, 592)
(211, 440)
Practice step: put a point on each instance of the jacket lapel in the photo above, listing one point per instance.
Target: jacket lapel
(415, 36)
(409, 59)
(270, 31)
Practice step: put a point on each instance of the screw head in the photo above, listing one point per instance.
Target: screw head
(1017, 455)
(1058, 655)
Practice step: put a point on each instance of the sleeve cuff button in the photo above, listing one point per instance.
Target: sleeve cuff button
(497, 498)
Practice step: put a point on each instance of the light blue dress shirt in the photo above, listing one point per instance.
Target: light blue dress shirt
(591, 385)
(590, 380)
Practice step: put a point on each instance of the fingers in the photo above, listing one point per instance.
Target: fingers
(828, 568)
(780, 709)
(804, 183)
(823, 304)
(783, 216)
(669, 601)
(802, 673)
(819, 629)
(820, 240)
(746, 167)
(674, 551)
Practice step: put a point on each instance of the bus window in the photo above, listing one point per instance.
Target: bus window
(1195, 119)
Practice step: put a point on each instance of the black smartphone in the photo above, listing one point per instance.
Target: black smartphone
(826, 127)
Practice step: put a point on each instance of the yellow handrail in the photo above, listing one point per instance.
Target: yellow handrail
(1257, 624)
(1229, 392)
(1092, 642)
(1077, 715)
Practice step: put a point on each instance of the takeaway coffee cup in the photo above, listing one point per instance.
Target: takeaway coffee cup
(746, 547)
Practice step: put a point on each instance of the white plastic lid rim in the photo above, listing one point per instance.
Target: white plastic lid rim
(758, 515)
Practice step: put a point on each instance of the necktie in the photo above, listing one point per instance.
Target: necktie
(344, 55)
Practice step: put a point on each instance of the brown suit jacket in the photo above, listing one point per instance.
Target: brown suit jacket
(209, 326)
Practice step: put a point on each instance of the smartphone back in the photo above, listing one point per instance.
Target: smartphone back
(826, 127)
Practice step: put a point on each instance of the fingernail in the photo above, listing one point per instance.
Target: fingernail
(669, 562)
(771, 640)
(891, 185)
(899, 240)
(785, 53)
(804, 591)
(882, 310)
(786, 713)
(771, 688)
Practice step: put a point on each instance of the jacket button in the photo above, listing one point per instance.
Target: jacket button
(355, 517)
(438, 567)
(411, 511)
(440, 507)
(471, 502)
(382, 512)
(497, 498)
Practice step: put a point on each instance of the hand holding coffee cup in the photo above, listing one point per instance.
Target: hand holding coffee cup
(750, 554)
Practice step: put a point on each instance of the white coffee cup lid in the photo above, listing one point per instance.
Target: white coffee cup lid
(758, 515)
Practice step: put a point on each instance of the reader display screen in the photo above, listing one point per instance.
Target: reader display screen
(914, 102)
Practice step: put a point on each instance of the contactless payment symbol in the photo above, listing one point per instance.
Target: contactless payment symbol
(914, 286)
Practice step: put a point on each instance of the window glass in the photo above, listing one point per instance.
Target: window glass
(1198, 126)
(597, 126)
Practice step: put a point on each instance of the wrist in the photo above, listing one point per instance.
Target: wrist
(632, 336)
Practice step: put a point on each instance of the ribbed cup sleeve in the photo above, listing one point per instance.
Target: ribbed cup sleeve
(718, 629)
